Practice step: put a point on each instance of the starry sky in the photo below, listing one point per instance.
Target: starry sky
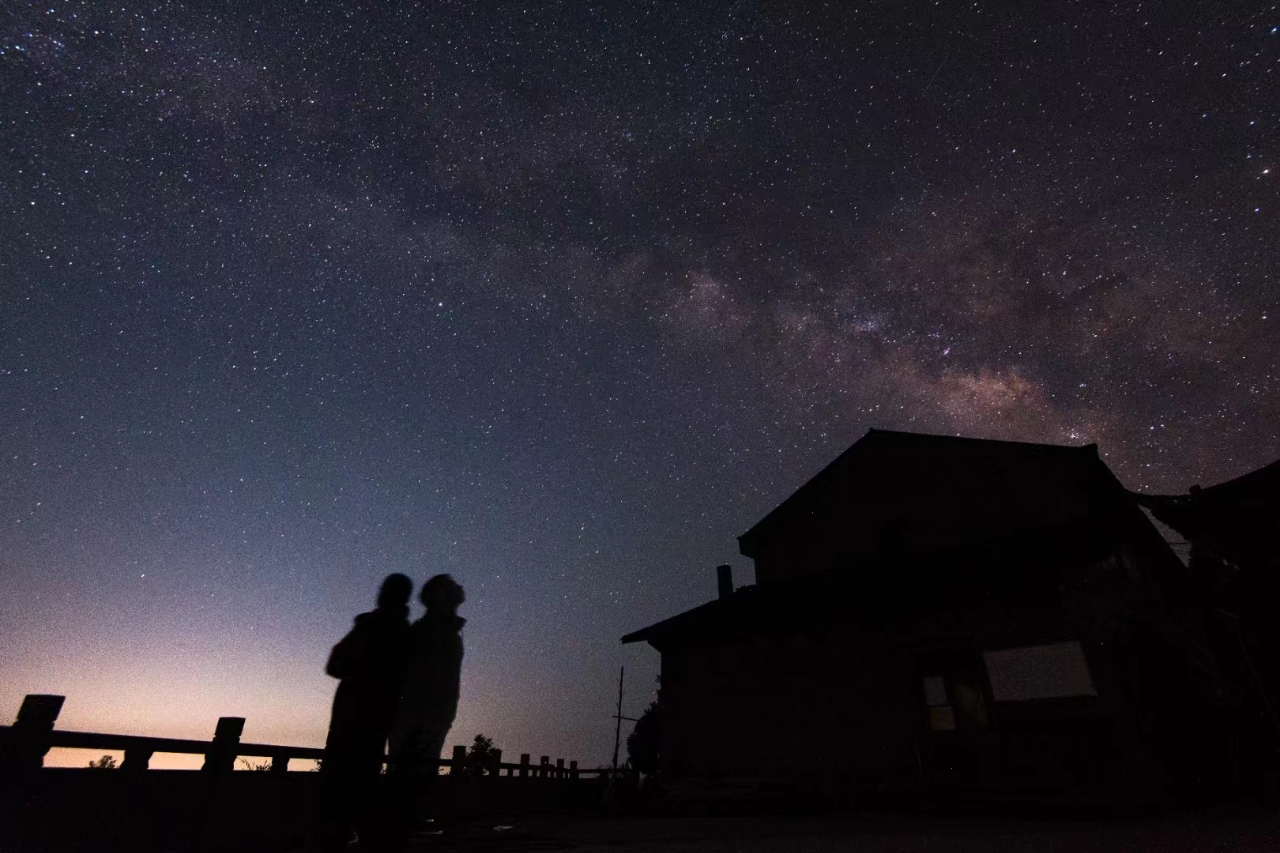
(561, 298)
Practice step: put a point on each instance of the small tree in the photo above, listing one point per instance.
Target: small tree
(480, 756)
(260, 766)
(106, 762)
(644, 744)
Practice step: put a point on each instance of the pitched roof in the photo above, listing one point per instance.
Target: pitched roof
(753, 611)
(958, 491)
(961, 489)
(1237, 519)
(713, 615)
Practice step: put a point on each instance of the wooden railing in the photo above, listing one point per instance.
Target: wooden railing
(24, 745)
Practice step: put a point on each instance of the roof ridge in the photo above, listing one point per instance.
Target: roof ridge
(976, 440)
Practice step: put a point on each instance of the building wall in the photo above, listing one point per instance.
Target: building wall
(829, 705)
(847, 704)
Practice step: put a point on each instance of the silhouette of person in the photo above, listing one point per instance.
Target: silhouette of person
(369, 663)
(429, 694)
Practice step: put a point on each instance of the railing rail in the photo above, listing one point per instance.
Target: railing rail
(24, 745)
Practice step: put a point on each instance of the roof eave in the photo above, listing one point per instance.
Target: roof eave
(657, 629)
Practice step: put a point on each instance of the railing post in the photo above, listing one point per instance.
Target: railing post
(495, 764)
(524, 765)
(221, 757)
(573, 770)
(28, 740)
(279, 763)
(544, 767)
(559, 768)
(458, 766)
(219, 762)
(136, 759)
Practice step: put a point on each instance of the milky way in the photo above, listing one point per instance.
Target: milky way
(561, 299)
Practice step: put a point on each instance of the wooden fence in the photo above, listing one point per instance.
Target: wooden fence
(24, 745)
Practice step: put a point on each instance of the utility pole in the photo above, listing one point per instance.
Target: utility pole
(617, 731)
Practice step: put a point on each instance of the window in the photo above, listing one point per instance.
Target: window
(1054, 671)
(942, 718)
(935, 691)
(970, 705)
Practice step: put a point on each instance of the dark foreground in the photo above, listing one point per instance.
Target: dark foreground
(172, 811)
(1220, 830)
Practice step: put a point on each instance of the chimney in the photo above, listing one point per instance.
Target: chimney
(724, 581)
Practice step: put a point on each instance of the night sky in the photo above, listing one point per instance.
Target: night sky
(561, 298)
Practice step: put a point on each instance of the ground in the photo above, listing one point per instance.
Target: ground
(1235, 831)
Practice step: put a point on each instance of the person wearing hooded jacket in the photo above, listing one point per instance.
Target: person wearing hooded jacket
(369, 663)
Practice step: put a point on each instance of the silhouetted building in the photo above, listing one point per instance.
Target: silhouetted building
(931, 612)
(1234, 532)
